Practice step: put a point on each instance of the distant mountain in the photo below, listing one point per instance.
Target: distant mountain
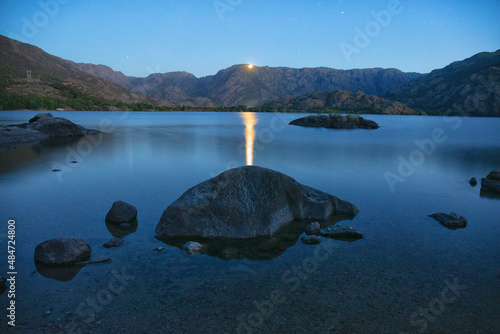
(340, 100)
(241, 85)
(55, 78)
(105, 72)
(467, 87)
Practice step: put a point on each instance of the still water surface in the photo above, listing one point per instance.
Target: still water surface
(408, 273)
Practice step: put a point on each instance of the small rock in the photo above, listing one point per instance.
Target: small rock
(494, 175)
(451, 221)
(62, 252)
(473, 181)
(192, 247)
(159, 249)
(115, 242)
(311, 240)
(341, 232)
(121, 212)
(48, 312)
(95, 260)
(313, 229)
(74, 162)
(56, 170)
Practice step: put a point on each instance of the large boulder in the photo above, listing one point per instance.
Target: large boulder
(335, 122)
(59, 252)
(42, 126)
(247, 202)
(121, 212)
(56, 126)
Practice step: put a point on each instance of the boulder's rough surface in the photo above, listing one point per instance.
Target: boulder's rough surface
(246, 202)
(341, 232)
(42, 126)
(335, 122)
(60, 252)
(121, 212)
(451, 221)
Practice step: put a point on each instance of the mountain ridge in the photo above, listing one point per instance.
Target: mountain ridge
(469, 87)
(466, 87)
(241, 85)
(29, 73)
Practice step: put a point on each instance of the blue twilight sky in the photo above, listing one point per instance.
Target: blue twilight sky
(204, 36)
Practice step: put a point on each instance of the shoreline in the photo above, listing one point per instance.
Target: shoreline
(244, 111)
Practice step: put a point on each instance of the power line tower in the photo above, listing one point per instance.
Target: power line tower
(28, 74)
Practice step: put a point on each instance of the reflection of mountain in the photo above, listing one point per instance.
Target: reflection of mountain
(255, 249)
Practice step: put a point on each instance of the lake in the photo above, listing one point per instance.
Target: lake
(408, 274)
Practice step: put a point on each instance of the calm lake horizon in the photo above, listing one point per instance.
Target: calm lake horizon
(408, 274)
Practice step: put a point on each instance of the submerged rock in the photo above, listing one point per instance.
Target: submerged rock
(42, 126)
(473, 182)
(335, 122)
(311, 240)
(62, 252)
(341, 232)
(115, 242)
(313, 229)
(121, 212)
(451, 221)
(246, 202)
(192, 247)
